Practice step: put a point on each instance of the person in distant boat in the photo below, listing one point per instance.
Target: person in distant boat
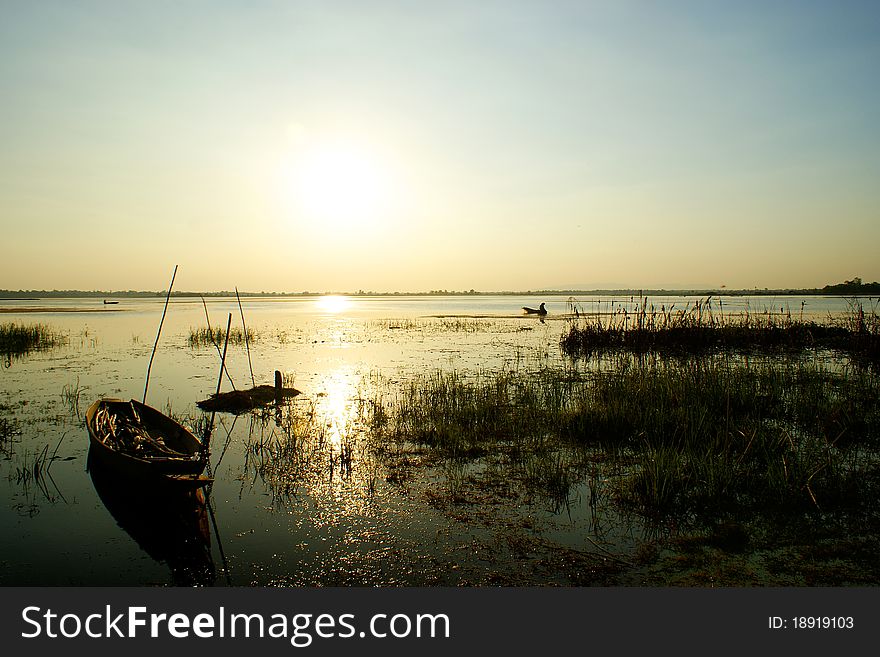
(536, 311)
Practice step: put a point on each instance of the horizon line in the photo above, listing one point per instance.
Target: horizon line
(848, 286)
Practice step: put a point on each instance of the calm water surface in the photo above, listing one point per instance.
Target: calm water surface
(324, 520)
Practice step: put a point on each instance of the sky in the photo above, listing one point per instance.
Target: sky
(414, 146)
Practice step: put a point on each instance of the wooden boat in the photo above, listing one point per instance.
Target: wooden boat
(142, 444)
(109, 303)
(535, 311)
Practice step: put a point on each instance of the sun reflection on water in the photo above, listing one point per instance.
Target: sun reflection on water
(335, 403)
(333, 304)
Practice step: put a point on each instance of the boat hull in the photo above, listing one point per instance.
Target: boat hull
(182, 466)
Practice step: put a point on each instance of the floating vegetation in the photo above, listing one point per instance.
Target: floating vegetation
(205, 337)
(21, 339)
(242, 401)
(703, 326)
(10, 431)
(433, 325)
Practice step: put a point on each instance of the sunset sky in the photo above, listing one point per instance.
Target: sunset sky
(496, 145)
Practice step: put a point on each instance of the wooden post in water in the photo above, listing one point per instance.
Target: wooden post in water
(279, 394)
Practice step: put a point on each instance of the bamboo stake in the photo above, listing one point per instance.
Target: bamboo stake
(210, 427)
(162, 321)
(247, 346)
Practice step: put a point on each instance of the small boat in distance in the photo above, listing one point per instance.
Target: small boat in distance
(535, 311)
(109, 303)
(142, 444)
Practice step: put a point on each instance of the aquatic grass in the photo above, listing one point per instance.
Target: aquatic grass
(205, 337)
(32, 472)
(715, 435)
(32, 468)
(702, 326)
(863, 329)
(435, 325)
(288, 448)
(553, 473)
(690, 436)
(70, 395)
(21, 339)
(10, 432)
(465, 418)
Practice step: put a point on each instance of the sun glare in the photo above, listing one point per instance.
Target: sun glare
(333, 304)
(344, 185)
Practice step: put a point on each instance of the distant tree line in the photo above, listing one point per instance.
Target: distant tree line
(854, 287)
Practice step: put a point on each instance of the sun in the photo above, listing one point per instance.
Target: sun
(341, 184)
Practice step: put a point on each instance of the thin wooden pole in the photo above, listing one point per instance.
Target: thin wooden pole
(246, 344)
(213, 342)
(217, 536)
(208, 490)
(210, 428)
(162, 321)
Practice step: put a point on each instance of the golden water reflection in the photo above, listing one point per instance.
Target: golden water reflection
(333, 304)
(314, 450)
(336, 403)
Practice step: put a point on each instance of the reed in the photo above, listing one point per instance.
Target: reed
(703, 326)
(689, 435)
(204, 337)
(288, 451)
(32, 467)
(70, 395)
(21, 339)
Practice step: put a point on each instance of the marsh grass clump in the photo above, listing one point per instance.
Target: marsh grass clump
(22, 339)
(690, 437)
(862, 327)
(468, 418)
(204, 337)
(708, 435)
(702, 327)
(507, 420)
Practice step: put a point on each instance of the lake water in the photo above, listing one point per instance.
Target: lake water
(339, 515)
